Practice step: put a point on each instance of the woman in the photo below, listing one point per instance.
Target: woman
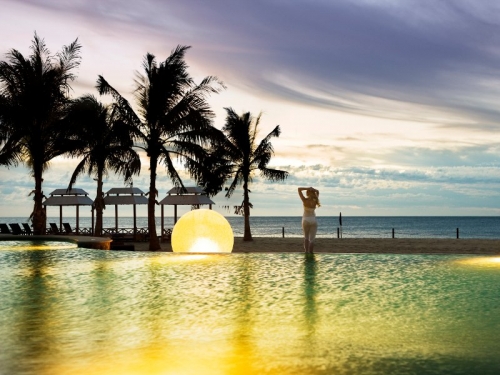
(309, 223)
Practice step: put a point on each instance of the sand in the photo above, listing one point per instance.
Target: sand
(322, 245)
(360, 245)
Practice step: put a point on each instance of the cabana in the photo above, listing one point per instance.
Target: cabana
(125, 196)
(73, 197)
(194, 196)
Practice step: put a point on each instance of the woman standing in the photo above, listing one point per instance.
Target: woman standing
(309, 223)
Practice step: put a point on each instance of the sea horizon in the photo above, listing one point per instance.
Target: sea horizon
(486, 227)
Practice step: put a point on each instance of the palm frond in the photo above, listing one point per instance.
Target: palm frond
(171, 171)
(273, 174)
(238, 177)
(69, 60)
(265, 145)
(80, 169)
(122, 104)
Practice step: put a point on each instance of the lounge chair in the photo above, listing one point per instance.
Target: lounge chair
(27, 229)
(4, 229)
(16, 229)
(67, 228)
(166, 235)
(54, 229)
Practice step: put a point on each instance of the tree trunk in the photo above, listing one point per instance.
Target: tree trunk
(39, 215)
(99, 205)
(247, 236)
(154, 243)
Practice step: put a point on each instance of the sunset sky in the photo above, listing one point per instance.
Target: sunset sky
(388, 107)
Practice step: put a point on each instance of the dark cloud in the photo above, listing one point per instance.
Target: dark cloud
(354, 56)
(350, 55)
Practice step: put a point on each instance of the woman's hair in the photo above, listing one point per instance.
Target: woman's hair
(312, 194)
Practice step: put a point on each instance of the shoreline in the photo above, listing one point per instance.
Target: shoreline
(358, 245)
(295, 245)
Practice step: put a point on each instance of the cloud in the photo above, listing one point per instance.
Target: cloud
(419, 60)
(357, 56)
(433, 63)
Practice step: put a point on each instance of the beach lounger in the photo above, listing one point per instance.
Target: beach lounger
(4, 229)
(54, 229)
(166, 235)
(67, 228)
(16, 229)
(27, 229)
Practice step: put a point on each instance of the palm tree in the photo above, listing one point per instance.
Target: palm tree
(105, 144)
(173, 120)
(33, 104)
(238, 156)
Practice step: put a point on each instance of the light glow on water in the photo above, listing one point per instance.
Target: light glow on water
(65, 312)
(181, 258)
(491, 261)
(35, 245)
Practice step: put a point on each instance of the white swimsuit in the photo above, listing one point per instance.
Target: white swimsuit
(309, 223)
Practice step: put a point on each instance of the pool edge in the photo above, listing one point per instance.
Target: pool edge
(98, 243)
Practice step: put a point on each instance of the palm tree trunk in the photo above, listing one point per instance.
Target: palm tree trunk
(99, 205)
(154, 243)
(247, 236)
(39, 216)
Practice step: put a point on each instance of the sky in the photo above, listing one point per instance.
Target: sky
(388, 107)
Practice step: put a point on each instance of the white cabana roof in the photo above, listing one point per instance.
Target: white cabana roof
(193, 195)
(126, 191)
(124, 196)
(187, 200)
(73, 197)
(189, 190)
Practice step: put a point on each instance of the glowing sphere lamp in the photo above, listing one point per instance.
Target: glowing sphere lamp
(202, 231)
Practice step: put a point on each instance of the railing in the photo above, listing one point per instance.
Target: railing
(126, 234)
(81, 231)
(130, 231)
(166, 235)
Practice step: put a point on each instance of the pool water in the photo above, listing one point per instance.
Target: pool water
(82, 311)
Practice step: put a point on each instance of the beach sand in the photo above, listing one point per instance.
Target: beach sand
(359, 245)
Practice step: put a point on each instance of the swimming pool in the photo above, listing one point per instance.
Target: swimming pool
(81, 311)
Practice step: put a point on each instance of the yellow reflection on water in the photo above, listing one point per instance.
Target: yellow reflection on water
(29, 245)
(196, 360)
(492, 261)
(179, 258)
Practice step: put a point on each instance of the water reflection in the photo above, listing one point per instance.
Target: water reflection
(241, 360)
(310, 313)
(141, 313)
(35, 296)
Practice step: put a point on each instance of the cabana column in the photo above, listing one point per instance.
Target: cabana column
(135, 223)
(77, 219)
(162, 220)
(73, 197)
(92, 229)
(194, 196)
(126, 196)
(116, 217)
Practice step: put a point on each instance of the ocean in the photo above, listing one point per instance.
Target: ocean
(486, 227)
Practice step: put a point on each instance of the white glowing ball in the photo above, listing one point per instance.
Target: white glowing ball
(202, 231)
